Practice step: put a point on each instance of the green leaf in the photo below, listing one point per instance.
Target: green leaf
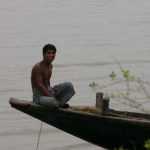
(147, 144)
(113, 75)
(126, 73)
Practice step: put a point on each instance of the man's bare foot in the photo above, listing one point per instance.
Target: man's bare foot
(63, 105)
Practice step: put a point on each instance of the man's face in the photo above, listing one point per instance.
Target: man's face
(49, 56)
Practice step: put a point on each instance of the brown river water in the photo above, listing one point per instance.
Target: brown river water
(88, 35)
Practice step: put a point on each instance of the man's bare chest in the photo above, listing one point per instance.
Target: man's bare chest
(47, 74)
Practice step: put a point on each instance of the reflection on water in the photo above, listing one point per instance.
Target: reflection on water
(88, 35)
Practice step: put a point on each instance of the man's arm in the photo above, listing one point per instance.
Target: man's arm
(40, 85)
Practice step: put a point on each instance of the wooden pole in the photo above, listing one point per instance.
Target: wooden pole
(99, 99)
(105, 106)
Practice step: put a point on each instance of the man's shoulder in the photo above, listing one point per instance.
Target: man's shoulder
(37, 66)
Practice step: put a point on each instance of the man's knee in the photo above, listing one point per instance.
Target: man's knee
(69, 84)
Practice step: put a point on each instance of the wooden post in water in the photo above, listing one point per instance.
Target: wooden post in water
(99, 99)
(105, 106)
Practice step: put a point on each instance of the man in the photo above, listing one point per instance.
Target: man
(43, 93)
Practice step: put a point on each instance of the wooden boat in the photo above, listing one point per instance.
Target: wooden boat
(111, 130)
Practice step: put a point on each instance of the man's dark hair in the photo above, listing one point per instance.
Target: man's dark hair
(49, 47)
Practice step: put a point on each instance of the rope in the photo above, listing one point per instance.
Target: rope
(39, 136)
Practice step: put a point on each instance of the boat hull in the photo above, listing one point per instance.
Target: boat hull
(105, 131)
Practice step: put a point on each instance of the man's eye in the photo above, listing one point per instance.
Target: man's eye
(51, 52)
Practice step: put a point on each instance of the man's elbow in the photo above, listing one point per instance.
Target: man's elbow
(40, 87)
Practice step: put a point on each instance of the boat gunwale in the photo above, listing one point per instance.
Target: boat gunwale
(70, 110)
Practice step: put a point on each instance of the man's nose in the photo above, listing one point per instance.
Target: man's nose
(51, 55)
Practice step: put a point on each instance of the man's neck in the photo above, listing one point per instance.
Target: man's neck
(46, 63)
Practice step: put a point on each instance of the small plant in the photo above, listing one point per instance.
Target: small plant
(93, 85)
(128, 88)
(147, 144)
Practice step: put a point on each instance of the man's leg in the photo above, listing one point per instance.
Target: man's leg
(64, 91)
(48, 101)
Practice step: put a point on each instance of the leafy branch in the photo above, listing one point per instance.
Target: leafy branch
(129, 87)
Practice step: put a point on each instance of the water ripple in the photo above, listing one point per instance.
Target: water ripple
(89, 64)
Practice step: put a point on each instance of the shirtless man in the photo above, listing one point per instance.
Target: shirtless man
(43, 93)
